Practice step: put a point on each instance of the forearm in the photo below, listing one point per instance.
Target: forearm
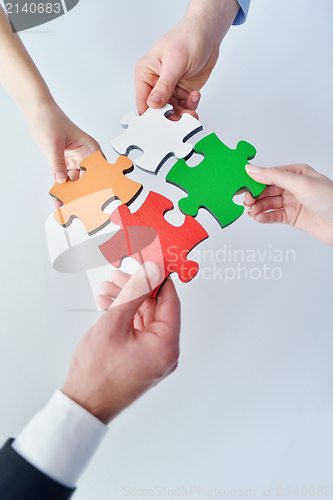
(18, 73)
(215, 16)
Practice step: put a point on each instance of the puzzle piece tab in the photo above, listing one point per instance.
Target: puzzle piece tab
(87, 197)
(146, 236)
(213, 183)
(156, 136)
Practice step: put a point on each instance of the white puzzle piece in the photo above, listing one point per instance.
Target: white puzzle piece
(156, 136)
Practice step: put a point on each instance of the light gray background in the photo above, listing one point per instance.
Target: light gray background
(250, 405)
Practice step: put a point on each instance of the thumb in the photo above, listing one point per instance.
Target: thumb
(58, 165)
(136, 290)
(281, 177)
(165, 85)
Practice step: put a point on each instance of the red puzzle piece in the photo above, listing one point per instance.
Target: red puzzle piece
(146, 236)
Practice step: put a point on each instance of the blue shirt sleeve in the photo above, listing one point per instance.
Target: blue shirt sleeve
(242, 13)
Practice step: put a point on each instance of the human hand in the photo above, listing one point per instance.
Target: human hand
(133, 346)
(64, 144)
(296, 195)
(181, 61)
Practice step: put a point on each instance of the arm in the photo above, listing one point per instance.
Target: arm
(19, 479)
(296, 195)
(63, 143)
(133, 346)
(180, 63)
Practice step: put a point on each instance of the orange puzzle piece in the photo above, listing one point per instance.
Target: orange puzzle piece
(87, 197)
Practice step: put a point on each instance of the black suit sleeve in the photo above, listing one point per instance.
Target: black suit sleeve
(19, 480)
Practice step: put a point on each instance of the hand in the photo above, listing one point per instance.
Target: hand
(64, 144)
(133, 346)
(296, 195)
(170, 70)
(180, 63)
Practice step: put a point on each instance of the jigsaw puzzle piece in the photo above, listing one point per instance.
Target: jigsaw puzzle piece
(156, 136)
(90, 210)
(87, 197)
(146, 236)
(214, 182)
(129, 241)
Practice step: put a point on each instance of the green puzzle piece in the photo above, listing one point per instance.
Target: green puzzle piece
(213, 183)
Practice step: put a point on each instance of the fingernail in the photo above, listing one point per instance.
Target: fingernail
(155, 98)
(195, 98)
(150, 270)
(60, 177)
(249, 212)
(253, 169)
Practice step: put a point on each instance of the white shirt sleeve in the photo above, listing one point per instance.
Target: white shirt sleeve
(242, 13)
(61, 439)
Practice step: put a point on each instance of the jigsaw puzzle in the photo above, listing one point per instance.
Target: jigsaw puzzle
(156, 136)
(213, 183)
(87, 197)
(146, 236)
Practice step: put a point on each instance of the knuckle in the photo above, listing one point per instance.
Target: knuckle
(275, 170)
(305, 167)
(165, 83)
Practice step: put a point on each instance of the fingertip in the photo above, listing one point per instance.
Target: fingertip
(155, 97)
(151, 272)
(253, 169)
(104, 287)
(60, 177)
(156, 100)
(166, 288)
(193, 100)
(57, 203)
(248, 199)
(103, 302)
(195, 96)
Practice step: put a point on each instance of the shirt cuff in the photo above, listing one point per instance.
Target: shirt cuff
(61, 439)
(242, 13)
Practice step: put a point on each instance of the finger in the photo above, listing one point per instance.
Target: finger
(165, 85)
(168, 308)
(57, 203)
(142, 91)
(136, 290)
(103, 302)
(57, 160)
(74, 174)
(145, 314)
(274, 217)
(193, 100)
(279, 176)
(138, 322)
(119, 278)
(268, 191)
(110, 289)
(178, 111)
(189, 101)
(269, 203)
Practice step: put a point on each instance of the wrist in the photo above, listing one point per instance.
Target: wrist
(214, 17)
(87, 402)
(40, 99)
